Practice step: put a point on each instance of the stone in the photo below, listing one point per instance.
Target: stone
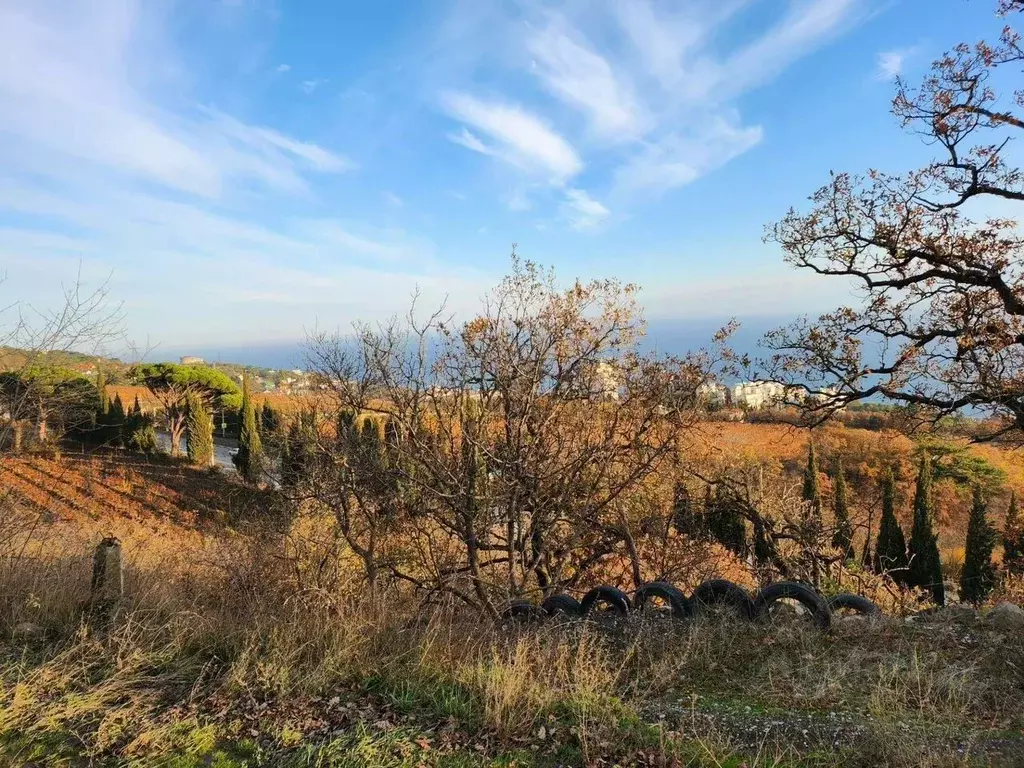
(1007, 617)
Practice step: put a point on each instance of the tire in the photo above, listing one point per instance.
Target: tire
(859, 605)
(614, 598)
(803, 594)
(722, 592)
(561, 605)
(521, 610)
(680, 604)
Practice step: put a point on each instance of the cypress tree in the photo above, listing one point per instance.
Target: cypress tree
(979, 574)
(925, 566)
(1013, 539)
(249, 458)
(199, 432)
(891, 546)
(295, 454)
(811, 490)
(139, 432)
(842, 539)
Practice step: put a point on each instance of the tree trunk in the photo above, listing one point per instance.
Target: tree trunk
(176, 427)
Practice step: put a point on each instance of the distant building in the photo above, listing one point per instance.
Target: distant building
(755, 395)
(191, 360)
(608, 379)
(714, 395)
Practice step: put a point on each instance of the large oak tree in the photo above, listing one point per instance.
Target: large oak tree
(936, 254)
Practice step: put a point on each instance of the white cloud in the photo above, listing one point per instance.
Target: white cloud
(394, 199)
(284, 67)
(582, 211)
(679, 159)
(469, 140)
(66, 93)
(308, 86)
(890, 64)
(517, 201)
(105, 158)
(655, 85)
(585, 80)
(806, 25)
(525, 140)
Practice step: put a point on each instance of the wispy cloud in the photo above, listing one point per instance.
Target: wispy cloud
(889, 64)
(393, 199)
(79, 103)
(582, 211)
(678, 159)
(577, 75)
(105, 157)
(284, 68)
(524, 140)
(308, 86)
(655, 87)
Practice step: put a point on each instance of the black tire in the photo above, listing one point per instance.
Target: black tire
(521, 610)
(803, 594)
(856, 603)
(615, 599)
(561, 605)
(722, 592)
(680, 604)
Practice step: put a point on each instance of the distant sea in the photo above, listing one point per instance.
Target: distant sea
(675, 337)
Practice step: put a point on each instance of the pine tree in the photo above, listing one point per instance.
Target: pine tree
(925, 566)
(1013, 539)
(842, 539)
(979, 574)
(891, 546)
(249, 458)
(199, 432)
(686, 519)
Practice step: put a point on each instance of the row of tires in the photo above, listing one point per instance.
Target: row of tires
(710, 596)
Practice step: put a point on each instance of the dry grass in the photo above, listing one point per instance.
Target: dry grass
(243, 648)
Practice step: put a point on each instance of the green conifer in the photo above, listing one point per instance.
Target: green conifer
(891, 546)
(979, 573)
(1013, 539)
(925, 569)
(199, 432)
(842, 538)
(249, 458)
(811, 489)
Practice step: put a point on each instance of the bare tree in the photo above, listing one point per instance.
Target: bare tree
(940, 327)
(36, 388)
(512, 442)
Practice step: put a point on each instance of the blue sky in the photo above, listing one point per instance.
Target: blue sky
(246, 170)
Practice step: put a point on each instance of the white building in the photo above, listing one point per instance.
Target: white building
(756, 395)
